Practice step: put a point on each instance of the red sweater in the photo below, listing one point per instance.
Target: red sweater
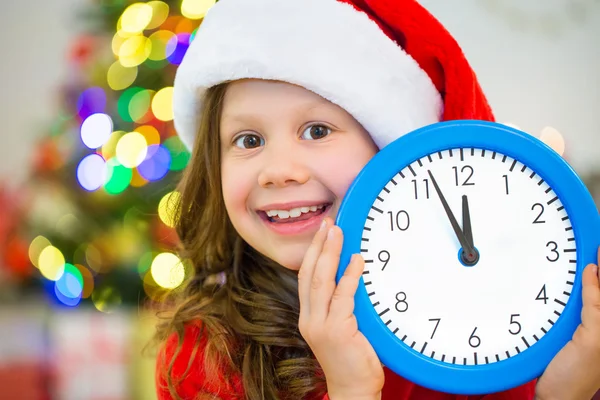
(395, 387)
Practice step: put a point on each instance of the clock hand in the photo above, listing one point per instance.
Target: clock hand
(468, 254)
(467, 221)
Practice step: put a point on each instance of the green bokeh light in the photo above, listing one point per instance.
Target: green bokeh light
(119, 177)
(124, 102)
(180, 156)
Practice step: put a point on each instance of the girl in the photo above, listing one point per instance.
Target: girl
(282, 103)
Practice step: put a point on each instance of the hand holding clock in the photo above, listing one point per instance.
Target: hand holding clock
(574, 373)
(350, 364)
(327, 322)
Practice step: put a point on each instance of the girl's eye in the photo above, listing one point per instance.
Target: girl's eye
(315, 132)
(249, 141)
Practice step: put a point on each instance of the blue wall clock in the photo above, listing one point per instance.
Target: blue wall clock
(475, 236)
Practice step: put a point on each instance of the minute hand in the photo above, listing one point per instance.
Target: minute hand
(467, 249)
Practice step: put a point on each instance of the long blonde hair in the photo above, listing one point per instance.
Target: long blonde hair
(250, 316)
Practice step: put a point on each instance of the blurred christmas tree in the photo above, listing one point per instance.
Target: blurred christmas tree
(94, 223)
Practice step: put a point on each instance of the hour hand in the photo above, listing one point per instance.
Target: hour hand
(467, 230)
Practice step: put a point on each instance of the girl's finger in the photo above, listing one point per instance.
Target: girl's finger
(590, 315)
(342, 301)
(323, 280)
(305, 274)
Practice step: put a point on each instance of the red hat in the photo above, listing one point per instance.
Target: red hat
(389, 63)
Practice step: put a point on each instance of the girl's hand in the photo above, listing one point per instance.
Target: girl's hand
(327, 323)
(574, 373)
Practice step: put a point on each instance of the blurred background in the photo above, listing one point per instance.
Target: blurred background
(89, 161)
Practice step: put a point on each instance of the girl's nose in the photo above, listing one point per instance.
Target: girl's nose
(283, 169)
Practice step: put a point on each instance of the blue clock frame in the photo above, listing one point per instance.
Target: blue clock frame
(578, 202)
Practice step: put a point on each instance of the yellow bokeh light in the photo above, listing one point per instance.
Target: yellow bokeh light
(52, 263)
(137, 180)
(106, 299)
(160, 13)
(162, 104)
(117, 42)
(35, 249)
(196, 9)
(553, 138)
(109, 149)
(93, 257)
(135, 18)
(120, 77)
(167, 206)
(132, 149)
(167, 270)
(160, 49)
(134, 51)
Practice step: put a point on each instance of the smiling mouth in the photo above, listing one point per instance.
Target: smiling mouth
(291, 216)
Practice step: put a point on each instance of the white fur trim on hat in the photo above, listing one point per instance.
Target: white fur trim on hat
(325, 46)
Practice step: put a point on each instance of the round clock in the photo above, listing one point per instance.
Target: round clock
(474, 236)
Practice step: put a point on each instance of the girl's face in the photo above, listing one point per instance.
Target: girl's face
(288, 157)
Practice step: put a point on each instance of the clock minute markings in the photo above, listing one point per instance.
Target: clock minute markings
(412, 170)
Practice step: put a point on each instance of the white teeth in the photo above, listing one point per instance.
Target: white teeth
(283, 214)
(294, 212)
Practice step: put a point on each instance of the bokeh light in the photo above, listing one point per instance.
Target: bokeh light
(91, 172)
(109, 149)
(160, 49)
(553, 138)
(150, 133)
(167, 270)
(119, 77)
(91, 101)
(65, 300)
(118, 177)
(117, 41)
(160, 12)
(70, 284)
(135, 18)
(132, 149)
(88, 281)
(139, 105)
(185, 26)
(51, 263)
(144, 263)
(180, 156)
(137, 180)
(124, 101)
(134, 51)
(196, 9)
(151, 288)
(96, 130)
(177, 47)
(93, 257)
(35, 249)
(167, 207)
(162, 104)
(157, 163)
(106, 299)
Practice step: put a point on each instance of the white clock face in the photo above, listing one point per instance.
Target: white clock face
(456, 313)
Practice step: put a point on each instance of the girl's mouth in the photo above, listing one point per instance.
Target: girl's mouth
(294, 215)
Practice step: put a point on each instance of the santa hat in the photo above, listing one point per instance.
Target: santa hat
(389, 63)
